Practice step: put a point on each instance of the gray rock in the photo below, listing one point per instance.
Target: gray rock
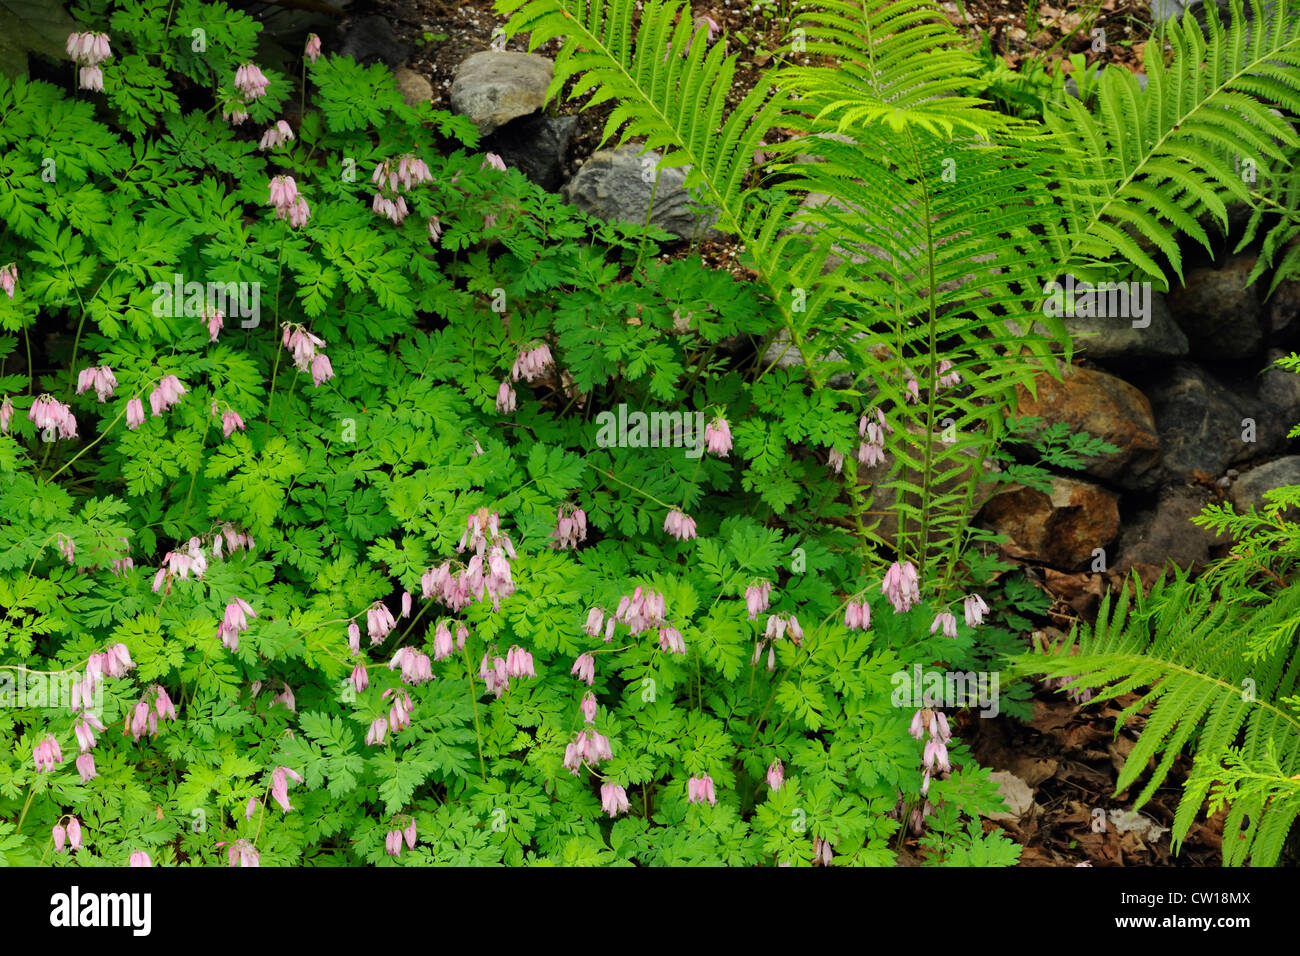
(616, 185)
(370, 40)
(493, 87)
(1284, 306)
(1277, 408)
(1166, 533)
(415, 89)
(1116, 340)
(535, 145)
(1198, 420)
(1248, 490)
(1219, 312)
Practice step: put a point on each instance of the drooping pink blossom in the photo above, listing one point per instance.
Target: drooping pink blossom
(134, 413)
(835, 458)
(46, 755)
(945, 621)
(775, 774)
(50, 415)
(519, 663)
(231, 423)
(584, 668)
(379, 622)
(251, 82)
(285, 697)
(9, 278)
(758, 596)
(360, 677)
(243, 854)
(312, 50)
(493, 161)
(700, 790)
(613, 799)
(857, 615)
(167, 394)
(679, 525)
(280, 778)
(532, 364)
(717, 437)
(671, 641)
(975, 609)
(140, 858)
(6, 415)
(570, 528)
(276, 135)
(588, 707)
(595, 620)
(506, 399)
(900, 586)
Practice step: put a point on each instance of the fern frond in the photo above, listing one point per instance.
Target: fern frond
(1185, 650)
(1147, 160)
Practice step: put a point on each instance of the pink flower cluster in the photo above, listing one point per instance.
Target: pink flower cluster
(613, 799)
(934, 757)
(312, 50)
(975, 609)
(235, 620)
(9, 278)
(584, 668)
(167, 394)
(871, 450)
(758, 597)
(946, 622)
(493, 161)
(393, 179)
(71, 834)
(442, 640)
(288, 204)
(497, 672)
(50, 415)
(588, 747)
(251, 82)
(276, 135)
(595, 621)
(114, 662)
(416, 667)
(88, 50)
(98, 377)
(947, 377)
(679, 525)
(901, 586)
(393, 841)
(486, 575)
(182, 563)
(531, 364)
(303, 346)
(399, 717)
(570, 528)
(700, 790)
(143, 719)
(641, 611)
(717, 437)
(822, 854)
(379, 623)
(778, 627)
(241, 852)
(47, 755)
(507, 400)
(857, 615)
(234, 540)
(230, 422)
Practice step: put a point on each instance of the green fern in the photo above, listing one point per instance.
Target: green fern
(1144, 161)
(1185, 649)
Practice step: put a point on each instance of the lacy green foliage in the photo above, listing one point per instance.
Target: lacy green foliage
(354, 488)
(1143, 160)
(1215, 661)
(918, 225)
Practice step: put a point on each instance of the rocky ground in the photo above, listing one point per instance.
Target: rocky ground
(1191, 401)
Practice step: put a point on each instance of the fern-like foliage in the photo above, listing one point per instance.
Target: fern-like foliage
(1192, 652)
(1146, 164)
